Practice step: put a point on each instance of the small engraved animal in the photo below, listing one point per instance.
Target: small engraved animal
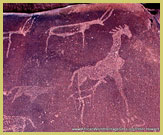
(72, 29)
(22, 31)
(16, 123)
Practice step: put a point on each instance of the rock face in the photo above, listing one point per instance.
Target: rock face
(32, 7)
(84, 66)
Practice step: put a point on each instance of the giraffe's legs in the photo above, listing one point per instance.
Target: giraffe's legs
(118, 80)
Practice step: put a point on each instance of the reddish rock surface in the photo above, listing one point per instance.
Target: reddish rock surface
(83, 66)
(32, 7)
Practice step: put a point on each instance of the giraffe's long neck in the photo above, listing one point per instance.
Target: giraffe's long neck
(116, 43)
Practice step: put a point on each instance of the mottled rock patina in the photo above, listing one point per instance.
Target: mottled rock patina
(82, 66)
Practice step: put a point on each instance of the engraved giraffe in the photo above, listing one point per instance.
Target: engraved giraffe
(72, 29)
(109, 66)
(22, 31)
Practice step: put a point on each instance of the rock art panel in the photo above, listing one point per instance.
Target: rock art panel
(82, 66)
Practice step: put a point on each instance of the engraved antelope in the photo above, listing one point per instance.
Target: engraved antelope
(109, 66)
(72, 29)
(22, 31)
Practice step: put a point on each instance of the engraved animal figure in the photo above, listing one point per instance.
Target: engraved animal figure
(22, 31)
(32, 91)
(109, 66)
(132, 122)
(16, 123)
(72, 29)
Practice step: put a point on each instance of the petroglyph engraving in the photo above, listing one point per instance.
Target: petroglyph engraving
(16, 123)
(109, 66)
(72, 29)
(22, 31)
(132, 122)
(32, 91)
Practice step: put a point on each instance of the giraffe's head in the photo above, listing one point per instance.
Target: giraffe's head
(121, 30)
(126, 31)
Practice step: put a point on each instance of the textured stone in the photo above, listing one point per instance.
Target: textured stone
(82, 66)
